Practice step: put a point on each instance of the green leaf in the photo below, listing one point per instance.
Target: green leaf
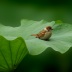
(11, 53)
(60, 41)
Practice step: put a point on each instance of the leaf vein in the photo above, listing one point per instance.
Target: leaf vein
(5, 59)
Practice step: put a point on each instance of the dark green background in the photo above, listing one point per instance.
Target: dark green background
(48, 61)
(11, 13)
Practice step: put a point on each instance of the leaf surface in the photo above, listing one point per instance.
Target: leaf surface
(11, 53)
(60, 41)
